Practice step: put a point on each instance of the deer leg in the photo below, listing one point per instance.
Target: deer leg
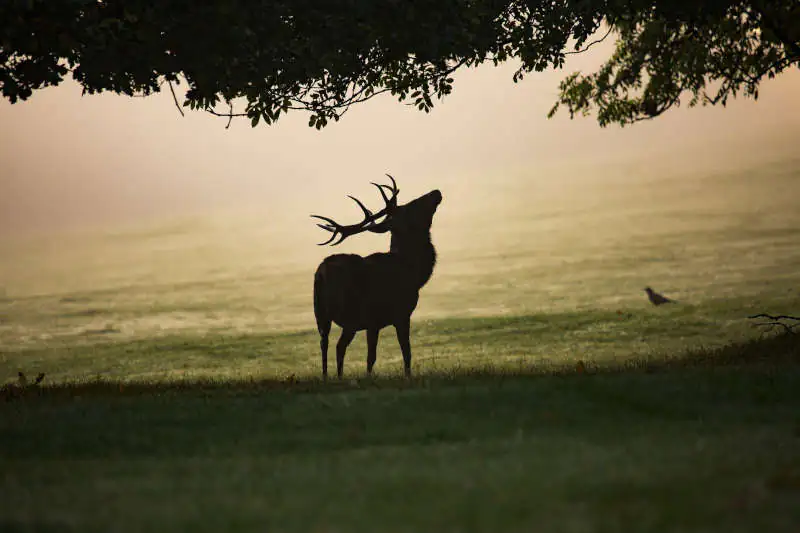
(372, 348)
(323, 346)
(403, 329)
(341, 347)
(324, 331)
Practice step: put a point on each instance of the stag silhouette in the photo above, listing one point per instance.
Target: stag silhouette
(382, 289)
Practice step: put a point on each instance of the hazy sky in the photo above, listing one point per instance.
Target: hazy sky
(68, 161)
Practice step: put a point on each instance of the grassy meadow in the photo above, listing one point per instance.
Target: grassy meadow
(182, 391)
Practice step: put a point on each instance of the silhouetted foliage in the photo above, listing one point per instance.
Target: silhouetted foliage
(260, 59)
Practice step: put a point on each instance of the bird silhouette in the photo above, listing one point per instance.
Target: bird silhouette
(655, 298)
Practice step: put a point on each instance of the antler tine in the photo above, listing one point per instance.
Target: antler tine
(326, 219)
(393, 188)
(380, 189)
(331, 224)
(333, 236)
(367, 212)
(394, 184)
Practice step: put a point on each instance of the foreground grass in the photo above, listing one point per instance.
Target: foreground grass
(705, 442)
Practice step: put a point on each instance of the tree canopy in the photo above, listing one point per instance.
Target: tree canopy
(263, 58)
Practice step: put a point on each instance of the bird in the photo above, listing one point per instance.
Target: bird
(655, 298)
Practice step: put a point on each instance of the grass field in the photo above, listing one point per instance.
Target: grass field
(708, 442)
(181, 389)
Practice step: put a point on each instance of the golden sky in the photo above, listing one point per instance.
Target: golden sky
(68, 161)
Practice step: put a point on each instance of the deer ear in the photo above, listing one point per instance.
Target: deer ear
(381, 227)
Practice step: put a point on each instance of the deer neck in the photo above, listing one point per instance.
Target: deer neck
(420, 255)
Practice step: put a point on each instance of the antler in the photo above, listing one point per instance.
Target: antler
(343, 232)
(391, 203)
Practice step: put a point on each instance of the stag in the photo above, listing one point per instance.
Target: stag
(382, 289)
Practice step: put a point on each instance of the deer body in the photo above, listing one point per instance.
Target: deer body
(382, 289)
(352, 291)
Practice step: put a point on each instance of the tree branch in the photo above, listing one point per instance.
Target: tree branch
(230, 118)
(777, 320)
(175, 98)
(596, 41)
(333, 103)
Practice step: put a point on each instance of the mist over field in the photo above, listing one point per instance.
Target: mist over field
(517, 244)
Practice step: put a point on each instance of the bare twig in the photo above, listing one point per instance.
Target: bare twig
(226, 115)
(775, 317)
(175, 98)
(777, 321)
(596, 41)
